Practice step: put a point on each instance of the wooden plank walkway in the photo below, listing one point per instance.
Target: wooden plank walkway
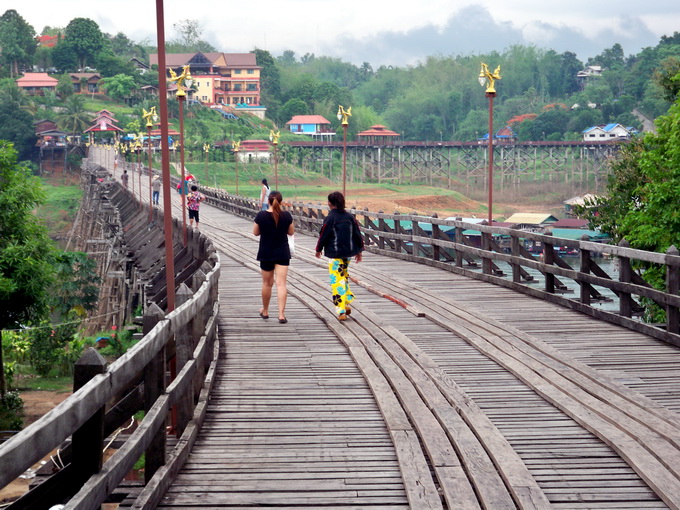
(440, 392)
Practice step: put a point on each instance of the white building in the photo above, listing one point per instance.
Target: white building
(606, 133)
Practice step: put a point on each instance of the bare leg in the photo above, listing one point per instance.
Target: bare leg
(267, 282)
(281, 273)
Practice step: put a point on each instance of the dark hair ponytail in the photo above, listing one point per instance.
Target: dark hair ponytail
(275, 199)
(337, 200)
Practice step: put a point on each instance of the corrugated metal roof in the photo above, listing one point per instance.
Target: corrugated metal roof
(308, 119)
(531, 218)
(577, 234)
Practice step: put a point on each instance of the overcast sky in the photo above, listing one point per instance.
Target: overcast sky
(381, 32)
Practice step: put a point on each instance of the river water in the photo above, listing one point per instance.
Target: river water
(608, 265)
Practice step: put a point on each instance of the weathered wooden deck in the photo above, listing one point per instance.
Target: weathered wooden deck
(439, 392)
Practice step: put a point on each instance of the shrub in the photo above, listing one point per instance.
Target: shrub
(11, 411)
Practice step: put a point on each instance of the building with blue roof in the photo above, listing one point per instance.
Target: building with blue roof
(607, 132)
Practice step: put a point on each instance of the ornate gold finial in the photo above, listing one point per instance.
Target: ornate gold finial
(274, 136)
(488, 78)
(148, 116)
(185, 76)
(344, 114)
(236, 146)
(206, 147)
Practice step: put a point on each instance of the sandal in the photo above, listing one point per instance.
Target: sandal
(263, 315)
(283, 321)
(348, 310)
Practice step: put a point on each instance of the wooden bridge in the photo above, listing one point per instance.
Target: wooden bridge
(443, 390)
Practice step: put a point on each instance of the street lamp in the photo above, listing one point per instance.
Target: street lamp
(486, 79)
(150, 117)
(183, 78)
(206, 149)
(274, 138)
(138, 151)
(236, 146)
(342, 116)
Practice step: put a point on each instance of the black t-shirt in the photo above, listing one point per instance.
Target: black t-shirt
(273, 238)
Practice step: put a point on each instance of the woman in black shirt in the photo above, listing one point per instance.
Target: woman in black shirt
(340, 239)
(274, 226)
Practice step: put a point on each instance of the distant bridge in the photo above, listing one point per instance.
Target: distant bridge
(581, 165)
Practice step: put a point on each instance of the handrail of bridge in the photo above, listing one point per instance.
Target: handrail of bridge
(108, 396)
(448, 244)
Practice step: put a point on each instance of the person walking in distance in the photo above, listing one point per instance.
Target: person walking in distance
(124, 179)
(194, 200)
(264, 195)
(340, 239)
(156, 187)
(274, 226)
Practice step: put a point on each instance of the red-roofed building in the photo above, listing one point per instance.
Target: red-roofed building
(311, 125)
(254, 150)
(104, 121)
(37, 83)
(570, 223)
(378, 135)
(85, 83)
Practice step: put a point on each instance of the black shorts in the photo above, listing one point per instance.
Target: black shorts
(268, 265)
(193, 215)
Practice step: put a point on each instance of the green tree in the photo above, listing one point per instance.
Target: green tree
(64, 57)
(17, 42)
(86, 40)
(293, 107)
(65, 86)
(75, 118)
(77, 285)
(16, 126)
(642, 193)
(119, 87)
(26, 253)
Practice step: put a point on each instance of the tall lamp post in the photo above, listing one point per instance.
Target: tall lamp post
(487, 79)
(274, 139)
(342, 117)
(236, 146)
(206, 149)
(183, 78)
(150, 117)
(138, 150)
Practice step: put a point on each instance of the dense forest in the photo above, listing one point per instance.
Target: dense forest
(539, 95)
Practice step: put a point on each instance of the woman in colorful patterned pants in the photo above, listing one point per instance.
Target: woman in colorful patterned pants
(340, 239)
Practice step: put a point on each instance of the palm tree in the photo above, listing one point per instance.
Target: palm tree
(75, 119)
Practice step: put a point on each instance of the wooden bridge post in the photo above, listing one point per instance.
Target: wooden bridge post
(549, 259)
(382, 227)
(486, 246)
(398, 243)
(515, 252)
(435, 235)
(88, 440)
(459, 242)
(585, 288)
(672, 287)
(625, 275)
(154, 387)
(367, 237)
(183, 353)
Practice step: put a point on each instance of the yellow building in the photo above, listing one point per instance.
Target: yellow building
(231, 79)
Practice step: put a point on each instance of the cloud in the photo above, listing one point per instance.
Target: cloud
(473, 30)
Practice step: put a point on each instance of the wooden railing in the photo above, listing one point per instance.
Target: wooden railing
(498, 255)
(106, 397)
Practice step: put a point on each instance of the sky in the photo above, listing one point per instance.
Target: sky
(380, 32)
